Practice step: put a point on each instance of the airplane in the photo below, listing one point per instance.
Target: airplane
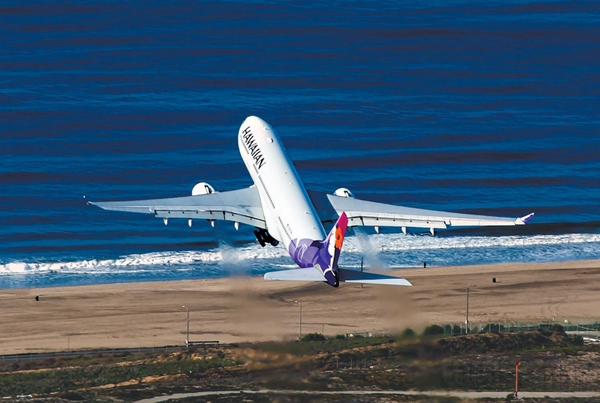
(283, 211)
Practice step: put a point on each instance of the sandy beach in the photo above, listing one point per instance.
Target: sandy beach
(251, 309)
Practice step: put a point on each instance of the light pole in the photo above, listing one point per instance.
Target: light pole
(299, 320)
(467, 318)
(187, 325)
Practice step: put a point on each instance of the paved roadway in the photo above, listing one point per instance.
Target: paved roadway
(459, 394)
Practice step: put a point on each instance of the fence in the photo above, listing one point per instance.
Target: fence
(589, 330)
(36, 357)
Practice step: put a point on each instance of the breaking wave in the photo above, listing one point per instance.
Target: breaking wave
(376, 251)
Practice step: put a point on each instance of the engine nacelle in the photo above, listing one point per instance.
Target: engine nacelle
(202, 188)
(343, 192)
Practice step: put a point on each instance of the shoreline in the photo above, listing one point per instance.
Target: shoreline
(240, 309)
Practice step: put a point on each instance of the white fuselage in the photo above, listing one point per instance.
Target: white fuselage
(289, 212)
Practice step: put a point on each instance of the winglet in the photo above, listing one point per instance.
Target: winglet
(524, 220)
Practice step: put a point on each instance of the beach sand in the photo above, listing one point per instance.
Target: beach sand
(251, 309)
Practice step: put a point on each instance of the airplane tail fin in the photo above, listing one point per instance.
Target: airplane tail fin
(332, 246)
(322, 255)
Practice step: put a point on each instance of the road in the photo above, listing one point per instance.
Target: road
(458, 394)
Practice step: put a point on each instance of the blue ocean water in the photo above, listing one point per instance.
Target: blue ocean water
(471, 106)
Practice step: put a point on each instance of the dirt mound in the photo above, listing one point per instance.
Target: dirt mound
(506, 342)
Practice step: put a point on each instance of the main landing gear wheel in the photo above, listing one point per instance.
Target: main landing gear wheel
(263, 237)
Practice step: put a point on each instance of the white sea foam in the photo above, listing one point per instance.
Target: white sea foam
(380, 250)
(223, 255)
(399, 242)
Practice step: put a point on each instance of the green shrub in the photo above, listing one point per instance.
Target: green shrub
(313, 337)
(408, 333)
(433, 330)
(557, 327)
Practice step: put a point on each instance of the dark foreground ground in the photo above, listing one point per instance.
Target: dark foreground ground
(550, 361)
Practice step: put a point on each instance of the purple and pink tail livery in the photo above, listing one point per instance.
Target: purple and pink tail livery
(322, 255)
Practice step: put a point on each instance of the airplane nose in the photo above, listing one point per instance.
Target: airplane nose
(250, 120)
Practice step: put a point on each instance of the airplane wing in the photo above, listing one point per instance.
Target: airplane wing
(348, 276)
(241, 206)
(367, 213)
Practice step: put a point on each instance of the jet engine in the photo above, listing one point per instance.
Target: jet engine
(343, 192)
(202, 188)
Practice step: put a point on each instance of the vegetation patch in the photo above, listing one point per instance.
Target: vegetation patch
(550, 361)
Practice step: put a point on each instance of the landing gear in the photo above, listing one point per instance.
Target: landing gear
(263, 237)
(259, 238)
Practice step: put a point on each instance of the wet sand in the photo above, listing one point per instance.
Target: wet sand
(251, 309)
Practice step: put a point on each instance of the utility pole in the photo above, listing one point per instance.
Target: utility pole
(187, 326)
(467, 318)
(299, 320)
(361, 270)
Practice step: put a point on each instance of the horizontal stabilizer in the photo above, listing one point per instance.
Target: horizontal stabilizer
(308, 274)
(348, 276)
(353, 276)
